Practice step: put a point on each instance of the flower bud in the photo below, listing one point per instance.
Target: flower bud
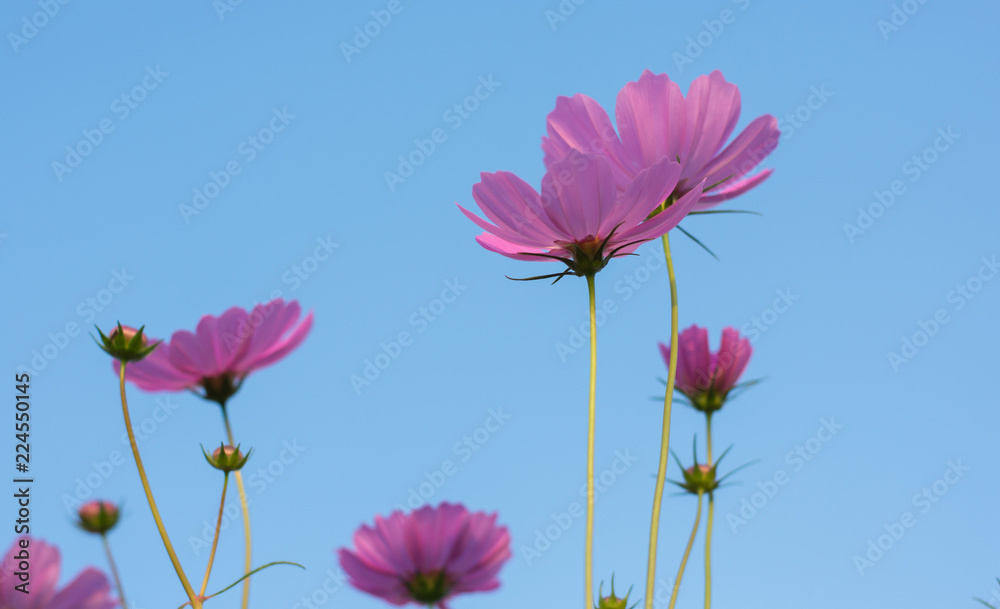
(227, 458)
(97, 516)
(612, 602)
(699, 478)
(126, 344)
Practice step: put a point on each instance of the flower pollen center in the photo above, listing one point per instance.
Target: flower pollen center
(590, 246)
(708, 401)
(428, 587)
(219, 388)
(588, 256)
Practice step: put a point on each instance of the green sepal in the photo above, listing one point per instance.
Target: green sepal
(227, 461)
(125, 349)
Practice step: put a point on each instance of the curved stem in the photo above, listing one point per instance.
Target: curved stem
(114, 571)
(257, 570)
(246, 513)
(195, 602)
(661, 474)
(589, 559)
(708, 551)
(215, 540)
(687, 553)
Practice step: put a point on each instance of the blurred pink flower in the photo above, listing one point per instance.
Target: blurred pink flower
(581, 217)
(655, 121)
(223, 351)
(427, 556)
(707, 378)
(88, 590)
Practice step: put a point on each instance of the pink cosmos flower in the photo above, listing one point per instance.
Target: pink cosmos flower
(655, 122)
(223, 351)
(581, 217)
(707, 378)
(427, 556)
(89, 590)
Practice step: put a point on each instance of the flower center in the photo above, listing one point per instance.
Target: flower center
(708, 401)
(219, 388)
(588, 256)
(590, 247)
(428, 588)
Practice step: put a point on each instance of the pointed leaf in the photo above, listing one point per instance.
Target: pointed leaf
(695, 239)
(724, 211)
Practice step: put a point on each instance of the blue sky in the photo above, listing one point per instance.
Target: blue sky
(227, 156)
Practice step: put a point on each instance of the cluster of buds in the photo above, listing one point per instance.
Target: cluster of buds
(153, 365)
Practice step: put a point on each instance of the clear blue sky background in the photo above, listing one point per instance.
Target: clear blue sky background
(854, 298)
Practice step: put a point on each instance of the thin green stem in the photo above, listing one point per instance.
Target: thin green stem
(195, 602)
(708, 551)
(246, 514)
(661, 474)
(589, 559)
(708, 434)
(687, 553)
(711, 515)
(114, 571)
(215, 540)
